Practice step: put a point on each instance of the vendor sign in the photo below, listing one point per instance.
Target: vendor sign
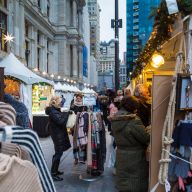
(89, 100)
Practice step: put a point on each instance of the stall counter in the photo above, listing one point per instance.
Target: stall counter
(40, 125)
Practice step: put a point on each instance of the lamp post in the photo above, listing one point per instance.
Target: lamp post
(116, 23)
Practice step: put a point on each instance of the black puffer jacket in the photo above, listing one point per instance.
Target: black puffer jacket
(57, 123)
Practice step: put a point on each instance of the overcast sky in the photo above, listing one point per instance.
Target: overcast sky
(108, 13)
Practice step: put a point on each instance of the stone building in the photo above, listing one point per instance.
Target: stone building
(48, 35)
(106, 64)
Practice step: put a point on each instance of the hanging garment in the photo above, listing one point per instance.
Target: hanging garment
(80, 136)
(178, 168)
(82, 129)
(17, 175)
(28, 139)
(16, 150)
(182, 134)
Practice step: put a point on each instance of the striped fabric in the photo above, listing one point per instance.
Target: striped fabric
(28, 139)
(17, 175)
(7, 114)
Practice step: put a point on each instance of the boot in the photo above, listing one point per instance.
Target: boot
(57, 178)
(60, 172)
(54, 169)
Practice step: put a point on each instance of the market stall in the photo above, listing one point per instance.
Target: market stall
(22, 83)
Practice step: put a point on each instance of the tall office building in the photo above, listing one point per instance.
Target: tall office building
(139, 28)
(94, 19)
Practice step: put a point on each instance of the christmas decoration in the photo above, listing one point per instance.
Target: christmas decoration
(163, 23)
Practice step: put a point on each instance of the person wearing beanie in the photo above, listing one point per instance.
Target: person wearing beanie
(7, 114)
(59, 135)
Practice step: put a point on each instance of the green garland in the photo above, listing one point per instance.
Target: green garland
(162, 29)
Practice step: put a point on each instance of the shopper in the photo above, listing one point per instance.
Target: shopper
(59, 135)
(142, 93)
(132, 141)
(62, 101)
(77, 103)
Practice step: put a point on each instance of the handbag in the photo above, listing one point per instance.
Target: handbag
(71, 121)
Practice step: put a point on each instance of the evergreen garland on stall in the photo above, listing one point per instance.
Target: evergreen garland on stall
(163, 23)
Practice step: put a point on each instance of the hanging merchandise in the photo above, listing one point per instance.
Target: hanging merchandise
(90, 143)
(28, 140)
(184, 93)
(12, 86)
(41, 95)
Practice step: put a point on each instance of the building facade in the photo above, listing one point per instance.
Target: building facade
(123, 74)
(106, 64)
(94, 18)
(139, 28)
(48, 35)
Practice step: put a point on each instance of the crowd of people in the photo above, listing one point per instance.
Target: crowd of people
(126, 115)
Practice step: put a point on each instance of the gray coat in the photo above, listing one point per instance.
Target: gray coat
(131, 140)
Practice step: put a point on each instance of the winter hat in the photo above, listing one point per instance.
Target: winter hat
(7, 114)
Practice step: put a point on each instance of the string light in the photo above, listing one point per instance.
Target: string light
(35, 69)
(44, 73)
(59, 77)
(52, 76)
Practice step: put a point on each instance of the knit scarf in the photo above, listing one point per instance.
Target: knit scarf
(79, 104)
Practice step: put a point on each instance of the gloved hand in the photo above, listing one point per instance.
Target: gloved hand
(64, 109)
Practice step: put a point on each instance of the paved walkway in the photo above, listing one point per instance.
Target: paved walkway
(72, 182)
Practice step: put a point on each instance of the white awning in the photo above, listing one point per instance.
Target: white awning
(13, 67)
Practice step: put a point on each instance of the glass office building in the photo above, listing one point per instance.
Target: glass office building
(139, 28)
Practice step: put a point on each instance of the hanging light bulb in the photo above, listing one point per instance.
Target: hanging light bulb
(35, 69)
(44, 73)
(52, 76)
(59, 77)
(157, 60)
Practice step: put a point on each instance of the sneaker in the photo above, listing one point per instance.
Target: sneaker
(57, 178)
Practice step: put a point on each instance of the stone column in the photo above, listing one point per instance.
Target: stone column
(33, 47)
(16, 27)
(61, 12)
(44, 53)
(22, 31)
(61, 57)
(75, 64)
(74, 13)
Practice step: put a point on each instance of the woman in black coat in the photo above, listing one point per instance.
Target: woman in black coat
(59, 135)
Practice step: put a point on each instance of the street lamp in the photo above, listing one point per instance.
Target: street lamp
(157, 60)
(116, 24)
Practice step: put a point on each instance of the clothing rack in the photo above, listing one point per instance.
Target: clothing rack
(90, 166)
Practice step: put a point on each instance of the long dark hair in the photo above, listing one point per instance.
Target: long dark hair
(130, 103)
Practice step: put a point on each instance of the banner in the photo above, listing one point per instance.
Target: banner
(172, 6)
(89, 100)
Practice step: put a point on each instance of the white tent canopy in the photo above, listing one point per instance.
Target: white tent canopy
(15, 68)
(65, 87)
(87, 91)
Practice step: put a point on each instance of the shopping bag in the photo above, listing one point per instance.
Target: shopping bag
(71, 121)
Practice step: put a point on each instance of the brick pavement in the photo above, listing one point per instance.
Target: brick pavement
(71, 182)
